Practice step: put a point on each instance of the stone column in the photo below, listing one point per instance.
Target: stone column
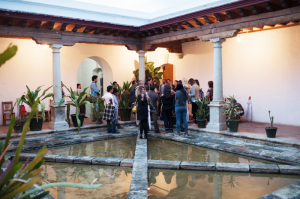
(217, 118)
(58, 121)
(142, 65)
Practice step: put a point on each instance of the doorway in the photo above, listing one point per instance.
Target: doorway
(86, 70)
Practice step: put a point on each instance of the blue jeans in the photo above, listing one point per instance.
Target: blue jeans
(181, 114)
(111, 127)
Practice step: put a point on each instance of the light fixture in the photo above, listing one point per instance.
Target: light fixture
(239, 38)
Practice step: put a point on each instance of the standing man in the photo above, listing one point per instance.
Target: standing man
(194, 95)
(94, 90)
(115, 84)
(154, 98)
(116, 105)
(109, 111)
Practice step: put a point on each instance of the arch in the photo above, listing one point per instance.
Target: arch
(106, 69)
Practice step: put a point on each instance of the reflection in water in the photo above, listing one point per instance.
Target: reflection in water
(115, 180)
(117, 148)
(159, 149)
(215, 185)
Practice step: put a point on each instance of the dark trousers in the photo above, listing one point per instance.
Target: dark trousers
(111, 126)
(168, 119)
(144, 127)
(194, 110)
(153, 114)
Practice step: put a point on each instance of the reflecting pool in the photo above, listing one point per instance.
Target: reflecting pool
(160, 149)
(117, 148)
(214, 185)
(115, 180)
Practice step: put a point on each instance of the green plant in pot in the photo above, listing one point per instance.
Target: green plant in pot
(271, 131)
(19, 123)
(202, 112)
(77, 101)
(30, 98)
(124, 96)
(97, 110)
(231, 113)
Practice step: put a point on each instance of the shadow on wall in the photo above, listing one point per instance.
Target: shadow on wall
(197, 48)
(106, 69)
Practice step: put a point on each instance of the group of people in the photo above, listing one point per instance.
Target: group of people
(152, 101)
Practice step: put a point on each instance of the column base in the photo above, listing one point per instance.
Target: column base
(217, 118)
(58, 121)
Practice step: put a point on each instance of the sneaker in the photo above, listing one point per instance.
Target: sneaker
(186, 134)
(115, 132)
(177, 134)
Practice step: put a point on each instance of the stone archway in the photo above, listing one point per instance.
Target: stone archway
(94, 66)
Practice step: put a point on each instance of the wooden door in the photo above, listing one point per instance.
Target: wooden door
(168, 72)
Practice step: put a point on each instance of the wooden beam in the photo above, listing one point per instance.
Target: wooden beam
(180, 27)
(10, 21)
(144, 34)
(87, 29)
(150, 32)
(117, 32)
(257, 10)
(126, 34)
(135, 34)
(24, 23)
(51, 25)
(157, 31)
(257, 28)
(75, 28)
(38, 24)
(188, 24)
(271, 6)
(172, 28)
(107, 32)
(207, 20)
(243, 12)
(285, 3)
(220, 17)
(97, 30)
(63, 27)
(198, 22)
(164, 29)
(232, 15)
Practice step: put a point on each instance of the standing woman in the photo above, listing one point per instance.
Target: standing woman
(181, 97)
(142, 112)
(187, 88)
(167, 100)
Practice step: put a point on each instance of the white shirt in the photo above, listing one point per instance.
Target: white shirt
(106, 98)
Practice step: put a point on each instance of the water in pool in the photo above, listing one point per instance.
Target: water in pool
(160, 149)
(115, 180)
(117, 148)
(214, 185)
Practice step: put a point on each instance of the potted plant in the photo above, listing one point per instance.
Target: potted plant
(30, 98)
(231, 113)
(97, 110)
(77, 101)
(124, 96)
(271, 131)
(19, 123)
(202, 112)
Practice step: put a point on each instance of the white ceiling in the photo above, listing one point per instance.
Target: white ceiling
(123, 12)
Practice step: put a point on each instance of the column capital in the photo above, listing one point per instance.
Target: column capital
(141, 52)
(56, 46)
(217, 40)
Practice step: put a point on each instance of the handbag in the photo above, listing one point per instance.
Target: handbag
(134, 109)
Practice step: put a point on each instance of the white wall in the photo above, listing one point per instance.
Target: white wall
(32, 66)
(263, 65)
